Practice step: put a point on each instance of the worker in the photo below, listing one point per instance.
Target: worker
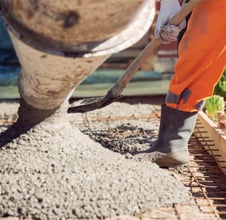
(200, 64)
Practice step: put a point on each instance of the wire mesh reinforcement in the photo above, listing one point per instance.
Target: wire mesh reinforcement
(202, 176)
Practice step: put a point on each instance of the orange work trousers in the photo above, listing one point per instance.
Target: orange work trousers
(201, 57)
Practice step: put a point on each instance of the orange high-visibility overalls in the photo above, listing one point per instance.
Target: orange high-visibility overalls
(201, 57)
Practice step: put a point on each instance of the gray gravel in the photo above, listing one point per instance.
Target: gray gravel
(55, 170)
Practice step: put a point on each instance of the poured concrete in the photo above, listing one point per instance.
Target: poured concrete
(55, 171)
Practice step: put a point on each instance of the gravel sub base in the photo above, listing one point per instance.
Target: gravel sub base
(54, 171)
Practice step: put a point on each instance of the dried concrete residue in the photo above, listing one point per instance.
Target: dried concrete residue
(55, 171)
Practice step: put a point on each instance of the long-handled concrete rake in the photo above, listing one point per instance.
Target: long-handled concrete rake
(114, 93)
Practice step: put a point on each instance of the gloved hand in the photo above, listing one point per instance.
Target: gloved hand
(170, 32)
(168, 8)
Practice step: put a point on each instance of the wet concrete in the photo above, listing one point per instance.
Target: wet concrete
(54, 170)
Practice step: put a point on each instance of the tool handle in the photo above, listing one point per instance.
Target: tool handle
(150, 49)
(185, 10)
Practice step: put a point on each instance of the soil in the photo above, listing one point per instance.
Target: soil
(68, 166)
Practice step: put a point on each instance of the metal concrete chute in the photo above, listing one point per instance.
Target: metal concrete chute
(87, 26)
(59, 43)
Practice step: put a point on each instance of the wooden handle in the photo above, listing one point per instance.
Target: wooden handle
(150, 49)
(122, 82)
(185, 10)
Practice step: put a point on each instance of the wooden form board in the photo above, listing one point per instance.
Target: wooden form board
(212, 138)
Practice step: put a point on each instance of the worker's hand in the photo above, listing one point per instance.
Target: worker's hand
(168, 8)
(169, 32)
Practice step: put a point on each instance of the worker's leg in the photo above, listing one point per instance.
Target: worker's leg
(202, 57)
(201, 62)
